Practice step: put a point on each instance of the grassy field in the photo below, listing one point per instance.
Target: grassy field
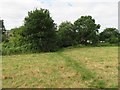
(93, 67)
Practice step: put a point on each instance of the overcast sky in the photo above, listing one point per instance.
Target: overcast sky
(105, 12)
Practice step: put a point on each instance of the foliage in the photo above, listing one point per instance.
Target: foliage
(40, 30)
(66, 34)
(86, 30)
(16, 37)
(110, 35)
(40, 34)
(4, 37)
(16, 43)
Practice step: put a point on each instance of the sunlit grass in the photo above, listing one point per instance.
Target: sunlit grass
(71, 68)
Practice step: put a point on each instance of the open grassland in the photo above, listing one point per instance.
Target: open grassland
(93, 67)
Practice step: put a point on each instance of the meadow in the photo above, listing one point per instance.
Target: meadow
(80, 67)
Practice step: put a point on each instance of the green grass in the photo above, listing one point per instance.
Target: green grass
(93, 67)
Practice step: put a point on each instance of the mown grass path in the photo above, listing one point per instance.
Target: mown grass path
(78, 67)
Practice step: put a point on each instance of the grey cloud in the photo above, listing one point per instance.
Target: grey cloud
(105, 13)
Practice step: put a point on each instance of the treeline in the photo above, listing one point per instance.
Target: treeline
(40, 34)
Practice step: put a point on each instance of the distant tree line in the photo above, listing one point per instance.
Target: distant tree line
(40, 34)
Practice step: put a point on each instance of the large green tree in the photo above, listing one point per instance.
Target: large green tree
(109, 35)
(86, 30)
(40, 30)
(66, 34)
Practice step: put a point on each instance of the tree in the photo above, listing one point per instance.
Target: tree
(4, 37)
(109, 35)
(66, 34)
(86, 30)
(40, 30)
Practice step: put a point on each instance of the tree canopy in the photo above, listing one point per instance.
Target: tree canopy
(86, 29)
(40, 30)
(109, 35)
(66, 34)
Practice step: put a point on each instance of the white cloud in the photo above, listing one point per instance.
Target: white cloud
(14, 11)
(104, 12)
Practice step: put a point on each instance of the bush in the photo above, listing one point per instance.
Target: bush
(106, 44)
